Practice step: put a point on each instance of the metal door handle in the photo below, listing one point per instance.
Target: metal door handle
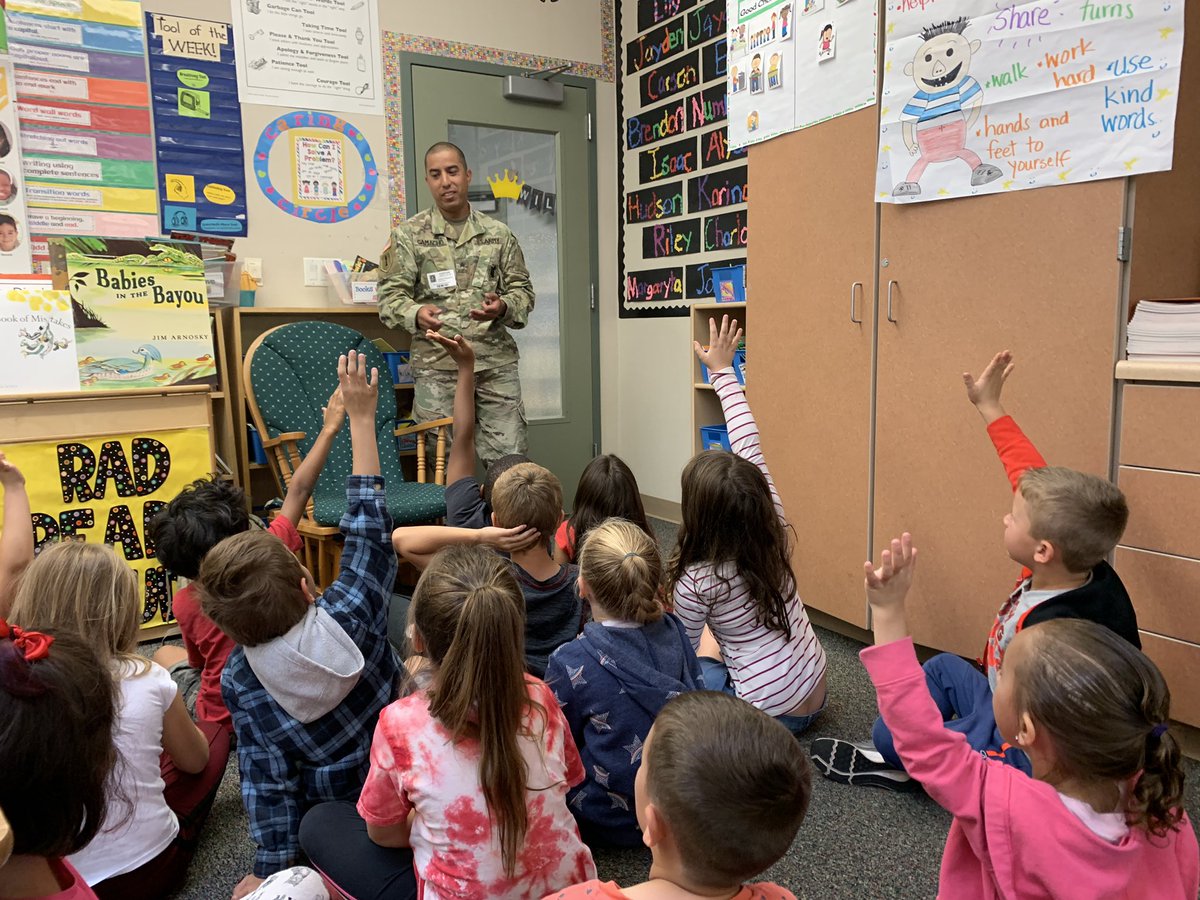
(853, 301)
(890, 317)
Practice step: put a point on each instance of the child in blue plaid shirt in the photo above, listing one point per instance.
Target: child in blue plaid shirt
(311, 674)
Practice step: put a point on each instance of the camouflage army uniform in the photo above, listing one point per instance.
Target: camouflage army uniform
(485, 257)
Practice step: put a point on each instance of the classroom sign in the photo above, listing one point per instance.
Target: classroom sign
(982, 97)
(796, 63)
(197, 126)
(107, 489)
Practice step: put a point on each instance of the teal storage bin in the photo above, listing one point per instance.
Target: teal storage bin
(714, 437)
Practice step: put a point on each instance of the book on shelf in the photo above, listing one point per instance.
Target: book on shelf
(1164, 330)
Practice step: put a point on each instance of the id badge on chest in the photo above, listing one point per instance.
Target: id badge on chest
(444, 280)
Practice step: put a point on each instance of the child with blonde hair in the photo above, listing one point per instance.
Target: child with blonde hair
(472, 771)
(1101, 815)
(170, 768)
(731, 577)
(614, 678)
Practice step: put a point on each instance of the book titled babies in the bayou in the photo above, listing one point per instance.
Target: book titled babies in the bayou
(141, 311)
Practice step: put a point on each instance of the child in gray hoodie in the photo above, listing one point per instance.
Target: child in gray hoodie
(311, 674)
(614, 678)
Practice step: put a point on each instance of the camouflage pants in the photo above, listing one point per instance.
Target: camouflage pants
(499, 411)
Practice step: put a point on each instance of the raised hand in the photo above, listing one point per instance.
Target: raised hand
(985, 390)
(10, 475)
(458, 348)
(722, 343)
(334, 413)
(359, 394)
(888, 585)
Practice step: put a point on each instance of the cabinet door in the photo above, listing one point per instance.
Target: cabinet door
(1034, 272)
(808, 365)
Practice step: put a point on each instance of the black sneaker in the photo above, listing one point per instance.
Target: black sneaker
(860, 764)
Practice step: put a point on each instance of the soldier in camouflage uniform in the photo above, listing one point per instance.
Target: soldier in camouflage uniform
(455, 270)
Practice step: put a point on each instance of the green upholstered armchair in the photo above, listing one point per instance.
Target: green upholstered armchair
(289, 374)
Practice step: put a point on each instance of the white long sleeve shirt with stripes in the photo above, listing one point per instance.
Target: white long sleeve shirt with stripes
(768, 671)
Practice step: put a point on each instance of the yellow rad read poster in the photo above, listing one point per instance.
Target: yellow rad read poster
(107, 489)
(141, 312)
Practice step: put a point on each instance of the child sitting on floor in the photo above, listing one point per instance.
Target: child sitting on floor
(1101, 816)
(527, 504)
(731, 577)
(1062, 525)
(312, 673)
(170, 767)
(612, 681)
(471, 772)
(203, 514)
(606, 490)
(720, 794)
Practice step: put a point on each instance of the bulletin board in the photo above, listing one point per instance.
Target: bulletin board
(683, 188)
(87, 482)
(197, 126)
(85, 118)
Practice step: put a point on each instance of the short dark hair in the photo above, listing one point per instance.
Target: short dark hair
(950, 26)
(498, 468)
(732, 784)
(446, 145)
(250, 587)
(198, 518)
(56, 746)
(6, 219)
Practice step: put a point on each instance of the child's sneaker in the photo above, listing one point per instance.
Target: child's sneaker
(860, 764)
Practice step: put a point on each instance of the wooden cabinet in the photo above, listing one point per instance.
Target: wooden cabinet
(812, 265)
(1159, 555)
(866, 423)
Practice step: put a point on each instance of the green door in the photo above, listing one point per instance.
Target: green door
(549, 150)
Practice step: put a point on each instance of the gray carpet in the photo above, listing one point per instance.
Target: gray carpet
(855, 842)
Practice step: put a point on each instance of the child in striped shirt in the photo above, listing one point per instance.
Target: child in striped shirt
(731, 577)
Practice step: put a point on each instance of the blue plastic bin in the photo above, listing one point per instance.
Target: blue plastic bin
(255, 447)
(729, 284)
(399, 364)
(406, 443)
(714, 437)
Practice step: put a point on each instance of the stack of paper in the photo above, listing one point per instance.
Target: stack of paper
(1164, 331)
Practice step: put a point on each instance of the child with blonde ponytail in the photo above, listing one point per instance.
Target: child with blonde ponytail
(471, 771)
(615, 677)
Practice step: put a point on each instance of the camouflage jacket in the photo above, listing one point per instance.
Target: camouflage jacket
(485, 258)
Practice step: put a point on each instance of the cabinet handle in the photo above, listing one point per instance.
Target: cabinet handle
(854, 301)
(890, 317)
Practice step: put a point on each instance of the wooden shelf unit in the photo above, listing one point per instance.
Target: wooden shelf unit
(706, 405)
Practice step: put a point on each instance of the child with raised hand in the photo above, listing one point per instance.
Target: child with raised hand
(527, 508)
(1062, 525)
(468, 503)
(471, 772)
(731, 576)
(170, 768)
(201, 516)
(612, 681)
(16, 541)
(607, 489)
(1101, 816)
(311, 674)
(720, 794)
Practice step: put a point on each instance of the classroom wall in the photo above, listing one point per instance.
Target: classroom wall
(562, 30)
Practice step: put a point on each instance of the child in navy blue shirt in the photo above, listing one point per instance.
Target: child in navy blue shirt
(612, 681)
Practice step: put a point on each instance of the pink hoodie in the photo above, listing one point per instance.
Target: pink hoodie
(1012, 836)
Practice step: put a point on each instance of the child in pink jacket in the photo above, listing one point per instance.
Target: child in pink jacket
(1101, 816)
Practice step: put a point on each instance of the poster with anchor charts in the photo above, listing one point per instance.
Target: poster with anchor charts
(106, 488)
(987, 96)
